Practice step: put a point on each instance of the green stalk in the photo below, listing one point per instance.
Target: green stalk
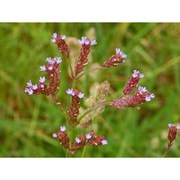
(84, 149)
(61, 108)
(71, 69)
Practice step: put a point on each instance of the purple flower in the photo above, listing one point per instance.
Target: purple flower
(88, 136)
(148, 98)
(29, 84)
(136, 74)
(93, 42)
(172, 125)
(29, 91)
(84, 41)
(58, 60)
(43, 68)
(42, 79)
(141, 75)
(123, 55)
(63, 37)
(54, 135)
(62, 128)
(49, 60)
(104, 142)
(54, 36)
(42, 86)
(50, 68)
(118, 50)
(142, 89)
(78, 140)
(70, 92)
(34, 87)
(80, 95)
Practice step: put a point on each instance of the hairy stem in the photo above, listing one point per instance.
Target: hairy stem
(167, 149)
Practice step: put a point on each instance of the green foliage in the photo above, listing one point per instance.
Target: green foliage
(27, 122)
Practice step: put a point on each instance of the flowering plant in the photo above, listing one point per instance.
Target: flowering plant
(76, 117)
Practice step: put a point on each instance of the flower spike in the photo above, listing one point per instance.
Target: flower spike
(114, 60)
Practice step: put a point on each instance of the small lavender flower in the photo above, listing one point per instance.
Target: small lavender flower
(63, 37)
(104, 142)
(123, 55)
(80, 95)
(93, 42)
(34, 87)
(70, 92)
(42, 79)
(49, 60)
(29, 84)
(62, 128)
(43, 68)
(172, 125)
(118, 50)
(58, 60)
(50, 68)
(29, 91)
(149, 97)
(54, 135)
(78, 140)
(42, 86)
(54, 36)
(142, 89)
(136, 74)
(83, 41)
(88, 136)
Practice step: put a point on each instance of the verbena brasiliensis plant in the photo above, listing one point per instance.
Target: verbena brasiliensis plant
(133, 95)
(173, 129)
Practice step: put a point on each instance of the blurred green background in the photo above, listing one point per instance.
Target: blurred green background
(27, 122)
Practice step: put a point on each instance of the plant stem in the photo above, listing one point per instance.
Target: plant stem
(84, 149)
(92, 109)
(167, 149)
(69, 64)
(58, 103)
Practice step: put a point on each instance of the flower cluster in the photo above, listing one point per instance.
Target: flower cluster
(95, 103)
(133, 82)
(173, 129)
(117, 58)
(53, 73)
(80, 141)
(141, 96)
(85, 49)
(172, 132)
(61, 44)
(74, 106)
